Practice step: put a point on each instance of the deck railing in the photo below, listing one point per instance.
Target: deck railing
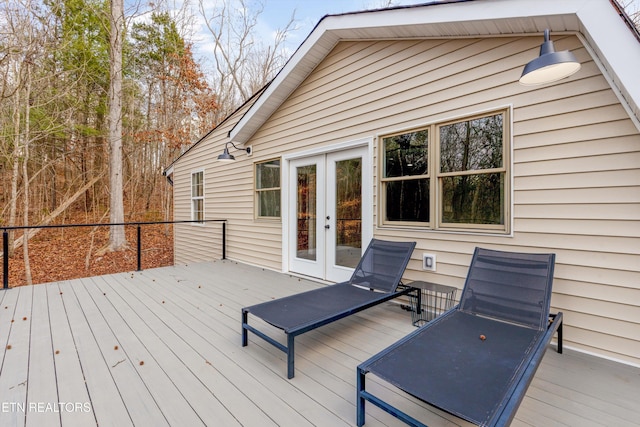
(138, 225)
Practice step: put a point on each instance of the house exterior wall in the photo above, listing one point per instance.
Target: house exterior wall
(575, 169)
(228, 191)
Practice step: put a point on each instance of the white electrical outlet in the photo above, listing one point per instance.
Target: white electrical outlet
(429, 262)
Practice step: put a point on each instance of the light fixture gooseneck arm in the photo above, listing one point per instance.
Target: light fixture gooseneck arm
(228, 157)
(248, 149)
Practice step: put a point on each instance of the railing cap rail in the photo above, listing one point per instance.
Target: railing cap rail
(108, 224)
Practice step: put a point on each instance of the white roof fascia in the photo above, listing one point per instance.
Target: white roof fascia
(313, 50)
(597, 20)
(615, 47)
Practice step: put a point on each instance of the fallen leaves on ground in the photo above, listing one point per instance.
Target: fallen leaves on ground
(70, 253)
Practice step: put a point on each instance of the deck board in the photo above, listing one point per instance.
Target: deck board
(15, 366)
(7, 311)
(183, 322)
(42, 375)
(231, 360)
(233, 385)
(200, 381)
(70, 378)
(106, 401)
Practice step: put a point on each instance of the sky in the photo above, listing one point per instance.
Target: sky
(277, 13)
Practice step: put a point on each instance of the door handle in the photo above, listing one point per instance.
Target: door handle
(327, 226)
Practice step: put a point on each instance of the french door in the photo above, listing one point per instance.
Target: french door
(329, 222)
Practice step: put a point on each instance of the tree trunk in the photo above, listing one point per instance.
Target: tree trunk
(16, 165)
(25, 176)
(117, 239)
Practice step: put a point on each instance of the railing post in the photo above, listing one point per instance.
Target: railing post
(224, 240)
(5, 260)
(139, 250)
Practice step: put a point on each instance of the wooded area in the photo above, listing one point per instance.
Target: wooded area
(92, 93)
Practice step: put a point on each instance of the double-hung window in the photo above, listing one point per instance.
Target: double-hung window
(448, 176)
(197, 196)
(267, 189)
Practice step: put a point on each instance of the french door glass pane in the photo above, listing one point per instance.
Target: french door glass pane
(306, 212)
(348, 212)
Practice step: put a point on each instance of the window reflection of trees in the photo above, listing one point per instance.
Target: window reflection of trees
(469, 169)
(268, 189)
(473, 145)
(407, 157)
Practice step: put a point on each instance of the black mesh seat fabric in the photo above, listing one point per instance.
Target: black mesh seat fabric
(374, 280)
(300, 310)
(466, 376)
(476, 360)
(514, 287)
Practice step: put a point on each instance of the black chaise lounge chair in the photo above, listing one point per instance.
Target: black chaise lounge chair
(477, 360)
(375, 280)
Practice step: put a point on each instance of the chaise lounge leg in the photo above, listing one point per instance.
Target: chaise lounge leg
(359, 398)
(290, 356)
(560, 338)
(244, 330)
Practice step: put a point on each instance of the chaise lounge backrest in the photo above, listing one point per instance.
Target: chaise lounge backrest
(509, 286)
(382, 265)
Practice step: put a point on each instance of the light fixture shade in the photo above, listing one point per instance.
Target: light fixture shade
(226, 156)
(550, 66)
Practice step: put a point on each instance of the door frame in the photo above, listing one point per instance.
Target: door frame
(367, 191)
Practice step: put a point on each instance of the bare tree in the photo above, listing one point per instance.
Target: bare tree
(243, 62)
(632, 9)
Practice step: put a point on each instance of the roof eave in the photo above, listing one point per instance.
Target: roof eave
(484, 18)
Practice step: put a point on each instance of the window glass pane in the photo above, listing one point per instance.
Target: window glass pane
(269, 203)
(407, 200)
(472, 145)
(306, 212)
(406, 154)
(196, 184)
(198, 210)
(268, 174)
(348, 212)
(473, 199)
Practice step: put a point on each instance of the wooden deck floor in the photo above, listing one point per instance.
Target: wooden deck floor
(162, 347)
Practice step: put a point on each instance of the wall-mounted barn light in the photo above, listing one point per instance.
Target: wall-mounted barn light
(550, 66)
(228, 157)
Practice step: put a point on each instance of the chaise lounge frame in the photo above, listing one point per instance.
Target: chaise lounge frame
(376, 279)
(452, 365)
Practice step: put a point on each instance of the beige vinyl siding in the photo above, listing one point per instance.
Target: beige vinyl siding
(576, 168)
(228, 195)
